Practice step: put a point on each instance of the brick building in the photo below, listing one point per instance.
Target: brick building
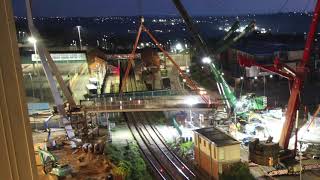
(215, 150)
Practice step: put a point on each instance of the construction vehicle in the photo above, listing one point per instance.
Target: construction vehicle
(238, 106)
(51, 165)
(296, 78)
(51, 71)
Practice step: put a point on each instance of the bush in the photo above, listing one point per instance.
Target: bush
(186, 147)
(238, 171)
(113, 152)
(124, 168)
(128, 161)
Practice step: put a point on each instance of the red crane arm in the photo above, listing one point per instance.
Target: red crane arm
(181, 73)
(294, 101)
(297, 76)
(131, 57)
(246, 61)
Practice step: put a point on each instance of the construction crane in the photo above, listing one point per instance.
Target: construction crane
(142, 28)
(251, 102)
(231, 37)
(51, 70)
(295, 76)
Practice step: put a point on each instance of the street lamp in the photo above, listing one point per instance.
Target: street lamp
(79, 34)
(33, 40)
(183, 81)
(30, 75)
(191, 101)
(206, 60)
(179, 47)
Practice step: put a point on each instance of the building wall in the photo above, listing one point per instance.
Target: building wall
(214, 159)
(294, 55)
(229, 153)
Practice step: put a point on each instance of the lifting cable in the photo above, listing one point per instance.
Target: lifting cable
(132, 55)
(242, 80)
(283, 6)
(314, 117)
(139, 4)
(306, 6)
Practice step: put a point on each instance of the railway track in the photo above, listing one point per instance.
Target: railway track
(148, 153)
(170, 165)
(191, 167)
(165, 163)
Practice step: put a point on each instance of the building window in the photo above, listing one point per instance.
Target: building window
(199, 140)
(214, 152)
(204, 143)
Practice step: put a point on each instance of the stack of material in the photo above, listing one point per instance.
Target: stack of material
(264, 153)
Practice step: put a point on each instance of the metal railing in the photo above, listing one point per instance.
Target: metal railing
(138, 102)
(141, 94)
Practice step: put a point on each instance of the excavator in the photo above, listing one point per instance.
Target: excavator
(238, 106)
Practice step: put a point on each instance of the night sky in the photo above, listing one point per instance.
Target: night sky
(158, 7)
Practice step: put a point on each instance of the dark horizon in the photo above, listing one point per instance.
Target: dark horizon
(98, 8)
(175, 15)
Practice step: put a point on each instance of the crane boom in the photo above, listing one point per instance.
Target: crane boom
(224, 89)
(229, 34)
(54, 69)
(297, 83)
(45, 60)
(227, 42)
(188, 21)
(295, 76)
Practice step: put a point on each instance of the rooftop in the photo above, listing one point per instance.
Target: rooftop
(265, 48)
(217, 136)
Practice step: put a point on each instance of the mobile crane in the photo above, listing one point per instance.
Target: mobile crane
(295, 76)
(189, 82)
(233, 104)
(51, 70)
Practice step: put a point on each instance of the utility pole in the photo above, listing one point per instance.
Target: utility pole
(79, 34)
